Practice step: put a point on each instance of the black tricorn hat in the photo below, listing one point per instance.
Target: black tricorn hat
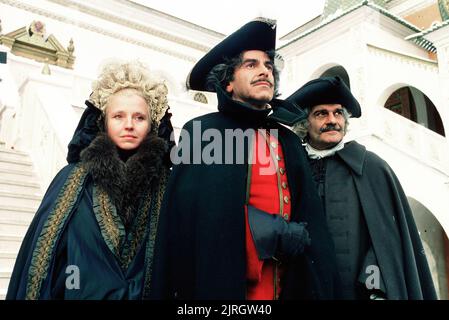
(326, 90)
(258, 34)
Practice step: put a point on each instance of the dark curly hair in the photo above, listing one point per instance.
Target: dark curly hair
(222, 74)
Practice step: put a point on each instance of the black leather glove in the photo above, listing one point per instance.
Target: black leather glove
(274, 236)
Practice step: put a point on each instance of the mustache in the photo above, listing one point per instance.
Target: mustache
(262, 80)
(330, 127)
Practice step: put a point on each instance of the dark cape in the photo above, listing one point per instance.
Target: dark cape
(372, 225)
(96, 223)
(200, 247)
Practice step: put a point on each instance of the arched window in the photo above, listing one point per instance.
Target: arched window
(412, 104)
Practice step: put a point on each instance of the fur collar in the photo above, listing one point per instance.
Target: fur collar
(125, 182)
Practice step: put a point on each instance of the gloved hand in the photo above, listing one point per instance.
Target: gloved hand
(273, 235)
(293, 237)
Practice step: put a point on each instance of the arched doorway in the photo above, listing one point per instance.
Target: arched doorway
(436, 245)
(414, 105)
(337, 71)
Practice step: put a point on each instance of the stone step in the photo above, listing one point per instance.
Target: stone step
(19, 199)
(18, 175)
(15, 164)
(11, 227)
(13, 213)
(7, 260)
(10, 185)
(5, 276)
(10, 243)
(13, 154)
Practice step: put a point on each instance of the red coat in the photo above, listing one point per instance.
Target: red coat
(268, 191)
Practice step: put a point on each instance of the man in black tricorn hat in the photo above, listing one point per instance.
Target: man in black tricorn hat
(240, 207)
(379, 252)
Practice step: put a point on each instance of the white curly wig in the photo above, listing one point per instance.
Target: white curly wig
(118, 75)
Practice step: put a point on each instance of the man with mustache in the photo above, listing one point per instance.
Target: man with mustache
(235, 227)
(379, 252)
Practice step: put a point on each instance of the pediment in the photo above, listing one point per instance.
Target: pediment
(30, 42)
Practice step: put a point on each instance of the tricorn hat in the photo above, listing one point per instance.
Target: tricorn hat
(258, 34)
(326, 90)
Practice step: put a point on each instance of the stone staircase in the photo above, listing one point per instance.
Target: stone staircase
(20, 196)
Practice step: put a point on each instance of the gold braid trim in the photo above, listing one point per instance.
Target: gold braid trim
(125, 247)
(111, 226)
(46, 242)
(138, 233)
(154, 220)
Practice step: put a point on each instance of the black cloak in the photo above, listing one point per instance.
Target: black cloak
(200, 247)
(392, 231)
(97, 221)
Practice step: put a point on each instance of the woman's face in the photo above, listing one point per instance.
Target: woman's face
(127, 119)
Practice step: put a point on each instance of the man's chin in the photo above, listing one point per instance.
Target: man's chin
(260, 102)
(332, 143)
(326, 144)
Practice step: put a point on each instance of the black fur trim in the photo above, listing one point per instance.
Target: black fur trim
(125, 182)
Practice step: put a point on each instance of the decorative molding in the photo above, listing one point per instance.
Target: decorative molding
(414, 61)
(102, 31)
(350, 10)
(200, 97)
(30, 43)
(131, 24)
(172, 18)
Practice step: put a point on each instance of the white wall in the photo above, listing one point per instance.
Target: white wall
(372, 50)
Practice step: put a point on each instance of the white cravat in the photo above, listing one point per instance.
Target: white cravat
(318, 154)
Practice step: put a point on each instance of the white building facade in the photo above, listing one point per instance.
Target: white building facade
(374, 49)
(371, 44)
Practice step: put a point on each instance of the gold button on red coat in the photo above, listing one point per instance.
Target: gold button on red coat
(269, 193)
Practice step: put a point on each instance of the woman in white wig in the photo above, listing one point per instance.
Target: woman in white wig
(93, 234)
